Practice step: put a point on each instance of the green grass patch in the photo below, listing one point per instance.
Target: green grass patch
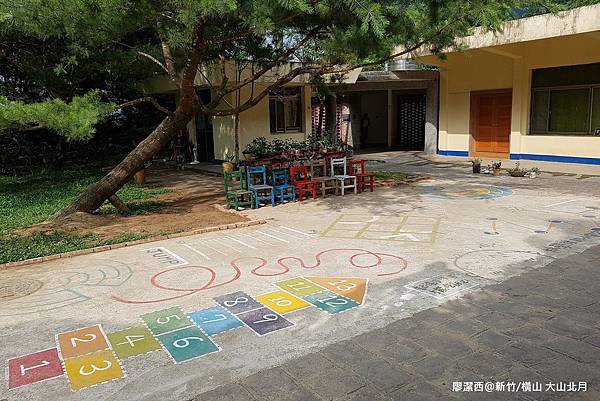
(28, 200)
(393, 175)
(13, 247)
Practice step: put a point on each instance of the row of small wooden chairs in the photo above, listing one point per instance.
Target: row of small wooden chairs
(284, 186)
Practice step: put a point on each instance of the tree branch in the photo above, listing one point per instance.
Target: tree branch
(282, 57)
(147, 99)
(169, 61)
(154, 60)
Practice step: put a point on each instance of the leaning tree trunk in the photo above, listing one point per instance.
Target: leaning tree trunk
(93, 197)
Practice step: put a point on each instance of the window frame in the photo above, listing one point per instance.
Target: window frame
(277, 98)
(549, 89)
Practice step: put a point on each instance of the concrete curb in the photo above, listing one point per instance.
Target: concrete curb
(105, 248)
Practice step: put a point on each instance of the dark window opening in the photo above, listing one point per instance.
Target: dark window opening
(285, 110)
(566, 100)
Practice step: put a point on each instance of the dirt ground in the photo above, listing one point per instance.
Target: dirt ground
(191, 205)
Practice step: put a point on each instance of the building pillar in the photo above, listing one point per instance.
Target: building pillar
(389, 118)
(431, 117)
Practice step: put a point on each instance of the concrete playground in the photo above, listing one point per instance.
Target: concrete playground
(174, 319)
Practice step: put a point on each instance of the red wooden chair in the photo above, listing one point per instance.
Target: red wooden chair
(304, 185)
(357, 168)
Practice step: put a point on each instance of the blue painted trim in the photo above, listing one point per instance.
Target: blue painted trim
(553, 158)
(453, 153)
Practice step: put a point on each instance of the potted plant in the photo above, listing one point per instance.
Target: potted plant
(229, 164)
(496, 168)
(476, 163)
(259, 148)
(517, 171)
(534, 172)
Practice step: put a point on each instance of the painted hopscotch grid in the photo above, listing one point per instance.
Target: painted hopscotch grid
(443, 286)
(401, 228)
(256, 316)
(87, 357)
(178, 335)
(328, 299)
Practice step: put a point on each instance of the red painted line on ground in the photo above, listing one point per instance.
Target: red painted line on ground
(255, 269)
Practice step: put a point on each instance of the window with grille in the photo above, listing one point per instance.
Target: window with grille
(285, 110)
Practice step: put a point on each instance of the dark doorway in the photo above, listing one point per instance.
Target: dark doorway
(204, 132)
(411, 122)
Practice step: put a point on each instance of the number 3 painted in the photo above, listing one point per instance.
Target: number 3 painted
(94, 368)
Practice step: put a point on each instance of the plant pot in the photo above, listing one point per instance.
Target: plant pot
(496, 171)
(140, 177)
(520, 173)
(248, 156)
(228, 167)
(476, 168)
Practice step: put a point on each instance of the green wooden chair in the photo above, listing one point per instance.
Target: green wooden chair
(235, 193)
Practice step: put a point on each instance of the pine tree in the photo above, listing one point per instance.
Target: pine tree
(187, 39)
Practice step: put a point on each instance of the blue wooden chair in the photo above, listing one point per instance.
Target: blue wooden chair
(282, 187)
(256, 177)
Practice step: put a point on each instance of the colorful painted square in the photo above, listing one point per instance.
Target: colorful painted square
(188, 343)
(81, 342)
(133, 341)
(90, 370)
(350, 287)
(33, 368)
(282, 302)
(331, 302)
(166, 320)
(215, 320)
(299, 286)
(264, 321)
(238, 302)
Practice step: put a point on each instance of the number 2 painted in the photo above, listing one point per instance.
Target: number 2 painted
(90, 337)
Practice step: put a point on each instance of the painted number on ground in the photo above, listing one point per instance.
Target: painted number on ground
(34, 368)
(215, 320)
(166, 320)
(237, 302)
(90, 370)
(187, 343)
(264, 321)
(331, 302)
(133, 341)
(281, 302)
(81, 342)
(299, 287)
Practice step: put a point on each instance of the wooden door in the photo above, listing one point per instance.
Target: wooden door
(490, 123)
